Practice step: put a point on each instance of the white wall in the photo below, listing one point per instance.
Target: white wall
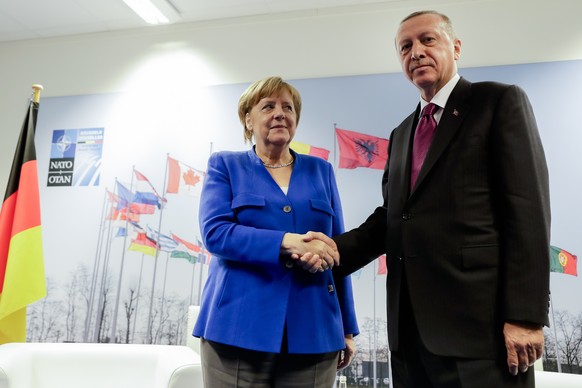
(347, 41)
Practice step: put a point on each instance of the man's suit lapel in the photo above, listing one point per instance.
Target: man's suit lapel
(400, 155)
(450, 122)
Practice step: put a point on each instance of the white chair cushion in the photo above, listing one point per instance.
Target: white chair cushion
(557, 380)
(74, 365)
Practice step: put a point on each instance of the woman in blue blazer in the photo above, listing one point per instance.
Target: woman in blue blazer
(265, 321)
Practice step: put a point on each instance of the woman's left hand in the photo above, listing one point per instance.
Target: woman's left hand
(347, 355)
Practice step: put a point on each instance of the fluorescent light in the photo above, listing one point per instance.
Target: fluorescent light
(147, 11)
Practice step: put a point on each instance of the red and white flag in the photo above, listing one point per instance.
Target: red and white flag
(183, 178)
(361, 150)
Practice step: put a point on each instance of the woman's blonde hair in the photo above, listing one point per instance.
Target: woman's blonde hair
(259, 90)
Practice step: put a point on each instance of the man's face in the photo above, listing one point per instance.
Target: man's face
(427, 53)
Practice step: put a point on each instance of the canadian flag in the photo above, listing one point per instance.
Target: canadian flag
(182, 177)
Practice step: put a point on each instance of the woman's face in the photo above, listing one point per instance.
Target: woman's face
(273, 120)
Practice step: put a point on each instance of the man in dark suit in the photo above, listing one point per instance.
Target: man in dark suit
(468, 242)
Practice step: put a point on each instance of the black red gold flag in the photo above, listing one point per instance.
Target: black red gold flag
(22, 279)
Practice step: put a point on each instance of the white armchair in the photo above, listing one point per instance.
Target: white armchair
(191, 341)
(74, 365)
(557, 380)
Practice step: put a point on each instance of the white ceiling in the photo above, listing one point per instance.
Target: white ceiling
(34, 19)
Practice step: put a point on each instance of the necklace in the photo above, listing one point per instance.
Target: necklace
(278, 165)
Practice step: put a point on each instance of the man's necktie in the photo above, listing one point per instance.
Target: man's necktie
(422, 139)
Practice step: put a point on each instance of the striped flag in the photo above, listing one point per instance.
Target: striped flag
(166, 243)
(302, 148)
(142, 178)
(382, 269)
(191, 246)
(142, 243)
(22, 279)
(186, 250)
(180, 253)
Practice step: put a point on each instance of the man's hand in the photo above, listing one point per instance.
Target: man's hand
(310, 254)
(311, 236)
(348, 354)
(524, 344)
(320, 236)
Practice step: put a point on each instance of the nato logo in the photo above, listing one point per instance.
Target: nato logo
(75, 157)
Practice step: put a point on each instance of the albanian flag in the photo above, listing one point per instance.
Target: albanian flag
(361, 150)
(22, 279)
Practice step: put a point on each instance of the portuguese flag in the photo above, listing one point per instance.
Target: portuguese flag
(22, 279)
(562, 261)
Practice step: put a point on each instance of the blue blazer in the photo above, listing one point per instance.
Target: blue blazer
(251, 294)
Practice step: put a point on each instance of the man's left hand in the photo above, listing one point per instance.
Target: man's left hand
(348, 354)
(524, 344)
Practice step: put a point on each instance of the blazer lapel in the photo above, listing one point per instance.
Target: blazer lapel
(450, 122)
(400, 154)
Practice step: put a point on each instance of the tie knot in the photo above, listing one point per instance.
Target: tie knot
(430, 109)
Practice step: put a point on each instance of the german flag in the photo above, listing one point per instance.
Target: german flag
(22, 279)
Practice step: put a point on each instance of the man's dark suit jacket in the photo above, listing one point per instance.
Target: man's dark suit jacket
(472, 238)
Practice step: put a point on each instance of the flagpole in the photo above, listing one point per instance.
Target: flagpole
(555, 336)
(101, 301)
(334, 146)
(164, 286)
(36, 89)
(95, 270)
(149, 330)
(119, 281)
(192, 283)
(374, 315)
(200, 268)
(137, 298)
(199, 299)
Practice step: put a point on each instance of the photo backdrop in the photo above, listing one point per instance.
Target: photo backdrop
(98, 290)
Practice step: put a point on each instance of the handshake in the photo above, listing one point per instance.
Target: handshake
(312, 251)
